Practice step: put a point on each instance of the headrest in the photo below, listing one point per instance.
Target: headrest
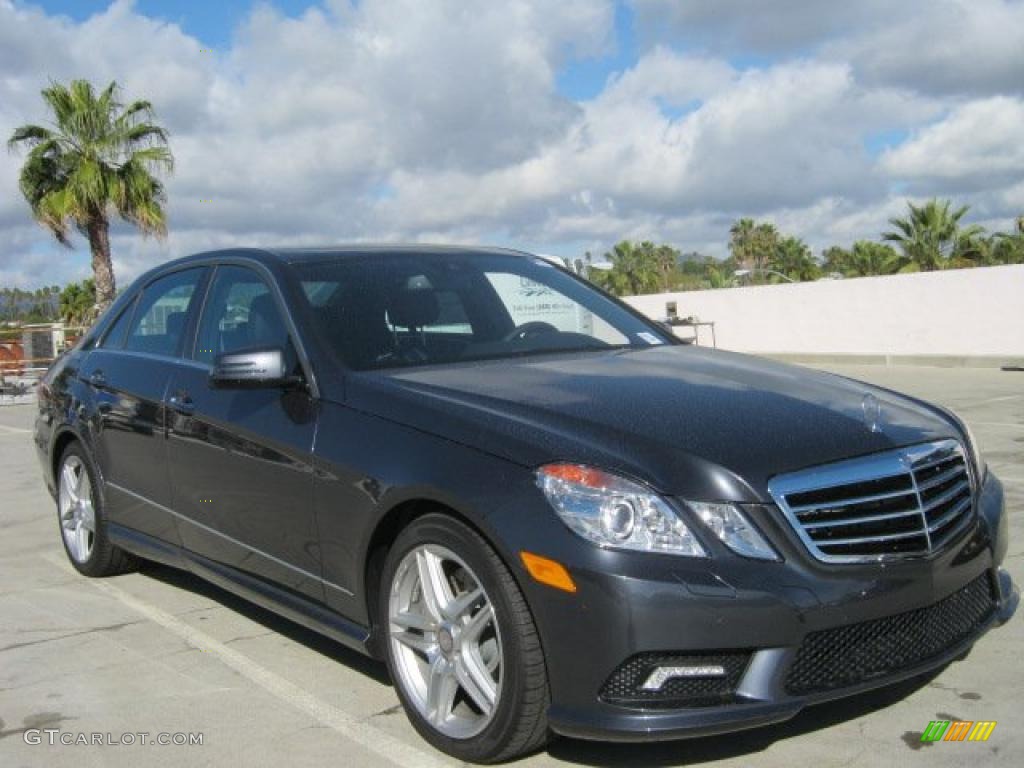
(264, 326)
(175, 323)
(414, 304)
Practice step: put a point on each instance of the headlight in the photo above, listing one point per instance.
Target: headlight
(614, 512)
(733, 529)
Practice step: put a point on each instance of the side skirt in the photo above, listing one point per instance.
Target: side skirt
(283, 602)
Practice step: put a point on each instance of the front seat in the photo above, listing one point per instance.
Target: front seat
(265, 328)
(413, 307)
(174, 326)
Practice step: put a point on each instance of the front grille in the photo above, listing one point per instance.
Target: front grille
(903, 503)
(845, 656)
(624, 686)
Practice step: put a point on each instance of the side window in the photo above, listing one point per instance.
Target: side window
(114, 337)
(161, 314)
(240, 313)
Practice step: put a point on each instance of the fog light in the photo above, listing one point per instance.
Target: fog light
(662, 675)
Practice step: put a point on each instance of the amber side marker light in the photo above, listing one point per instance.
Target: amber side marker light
(548, 571)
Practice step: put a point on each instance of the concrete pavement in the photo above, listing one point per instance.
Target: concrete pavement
(161, 652)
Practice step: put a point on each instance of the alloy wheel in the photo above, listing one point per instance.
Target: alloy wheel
(445, 641)
(77, 514)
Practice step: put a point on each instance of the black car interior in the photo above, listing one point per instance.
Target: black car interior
(377, 316)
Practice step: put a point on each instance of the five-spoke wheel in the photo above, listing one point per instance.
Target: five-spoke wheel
(75, 505)
(461, 644)
(445, 641)
(82, 517)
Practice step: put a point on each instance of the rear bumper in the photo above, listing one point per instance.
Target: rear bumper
(766, 609)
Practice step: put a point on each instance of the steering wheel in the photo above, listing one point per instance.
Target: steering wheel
(526, 330)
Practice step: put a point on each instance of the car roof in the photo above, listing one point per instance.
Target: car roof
(291, 255)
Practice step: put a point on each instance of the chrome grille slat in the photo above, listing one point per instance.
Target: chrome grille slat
(943, 521)
(850, 502)
(947, 496)
(949, 474)
(846, 521)
(908, 502)
(862, 539)
(922, 465)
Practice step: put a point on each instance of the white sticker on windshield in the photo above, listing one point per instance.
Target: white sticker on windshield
(650, 338)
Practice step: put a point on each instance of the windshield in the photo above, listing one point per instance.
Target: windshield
(407, 309)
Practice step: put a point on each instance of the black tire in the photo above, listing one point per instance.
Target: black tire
(519, 723)
(105, 559)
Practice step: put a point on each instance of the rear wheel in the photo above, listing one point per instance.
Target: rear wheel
(83, 525)
(461, 644)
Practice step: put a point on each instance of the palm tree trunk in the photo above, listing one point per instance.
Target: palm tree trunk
(102, 267)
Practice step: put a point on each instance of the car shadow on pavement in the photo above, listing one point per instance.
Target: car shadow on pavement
(296, 632)
(711, 748)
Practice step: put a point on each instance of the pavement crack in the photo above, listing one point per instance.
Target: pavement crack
(385, 712)
(66, 635)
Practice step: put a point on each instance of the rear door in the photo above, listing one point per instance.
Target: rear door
(240, 459)
(128, 375)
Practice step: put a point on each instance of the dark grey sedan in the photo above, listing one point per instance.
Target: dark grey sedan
(538, 507)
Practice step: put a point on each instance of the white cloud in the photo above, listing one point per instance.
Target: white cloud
(754, 26)
(935, 46)
(977, 140)
(948, 47)
(764, 140)
(405, 120)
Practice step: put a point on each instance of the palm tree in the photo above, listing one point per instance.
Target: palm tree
(752, 245)
(930, 236)
(793, 258)
(634, 270)
(1008, 247)
(78, 302)
(99, 157)
(868, 258)
(667, 260)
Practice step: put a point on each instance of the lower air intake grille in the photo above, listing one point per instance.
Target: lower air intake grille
(846, 656)
(625, 685)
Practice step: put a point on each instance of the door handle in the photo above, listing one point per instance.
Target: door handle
(182, 403)
(97, 379)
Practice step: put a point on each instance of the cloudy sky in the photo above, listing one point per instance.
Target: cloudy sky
(554, 125)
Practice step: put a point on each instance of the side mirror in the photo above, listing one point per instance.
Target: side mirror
(259, 367)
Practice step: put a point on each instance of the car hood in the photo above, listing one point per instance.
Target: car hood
(690, 422)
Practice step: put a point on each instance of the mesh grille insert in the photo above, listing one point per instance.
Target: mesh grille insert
(845, 656)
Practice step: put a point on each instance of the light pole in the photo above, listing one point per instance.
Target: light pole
(748, 272)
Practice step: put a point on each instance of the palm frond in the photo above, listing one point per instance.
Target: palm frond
(29, 135)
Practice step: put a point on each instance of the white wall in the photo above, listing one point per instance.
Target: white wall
(964, 312)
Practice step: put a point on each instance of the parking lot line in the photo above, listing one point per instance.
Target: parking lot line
(4, 429)
(358, 731)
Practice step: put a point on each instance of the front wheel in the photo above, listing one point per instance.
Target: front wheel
(461, 645)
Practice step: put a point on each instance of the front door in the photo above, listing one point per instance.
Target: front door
(240, 459)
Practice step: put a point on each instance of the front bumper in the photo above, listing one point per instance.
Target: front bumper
(629, 604)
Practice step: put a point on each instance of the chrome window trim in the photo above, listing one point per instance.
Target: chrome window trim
(899, 462)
